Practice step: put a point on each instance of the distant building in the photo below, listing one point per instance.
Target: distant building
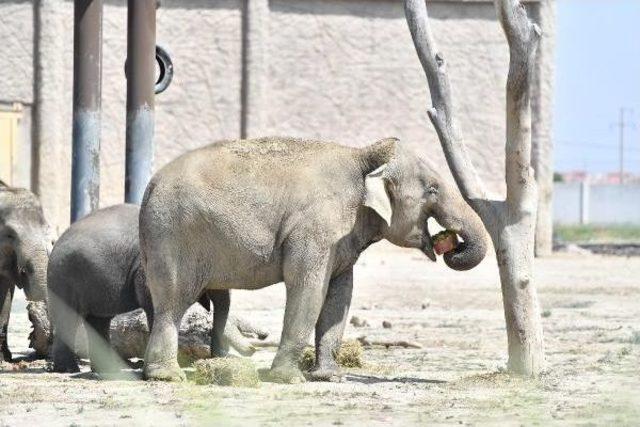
(573, 176)
(343, 70)
(598, 178)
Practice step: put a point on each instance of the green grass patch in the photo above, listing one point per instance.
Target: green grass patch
(624, 233)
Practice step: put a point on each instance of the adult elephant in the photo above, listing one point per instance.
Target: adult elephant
(252, 213)
(25, 243)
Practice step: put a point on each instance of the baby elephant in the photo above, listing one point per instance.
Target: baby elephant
(94, 274)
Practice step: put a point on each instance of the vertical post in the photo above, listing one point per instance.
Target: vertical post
(584, 202)
(141, 66)
(255, 16)
(87, 86)
(541, 127)
(49, 145)
(621, 125)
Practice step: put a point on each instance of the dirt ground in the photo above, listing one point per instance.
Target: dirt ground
(591, 320)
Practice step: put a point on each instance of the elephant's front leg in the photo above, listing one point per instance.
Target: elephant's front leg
(306, 283)
(6, 297)
(330, 327)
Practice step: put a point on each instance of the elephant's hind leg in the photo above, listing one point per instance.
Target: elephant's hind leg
(221, 300)
(171, 298)
(65, 325)
(103, 358)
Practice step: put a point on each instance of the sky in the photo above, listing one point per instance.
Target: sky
(597, 73)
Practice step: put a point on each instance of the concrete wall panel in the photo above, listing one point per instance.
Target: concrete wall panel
(348, 71)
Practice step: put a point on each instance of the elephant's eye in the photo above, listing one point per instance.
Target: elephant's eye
(432, 190)
(25, 270)
(8, 236)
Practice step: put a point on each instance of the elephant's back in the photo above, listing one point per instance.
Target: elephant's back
(90, 263)
(273, 160)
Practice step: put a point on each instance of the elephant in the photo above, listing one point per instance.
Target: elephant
(94, 274)
(245, 214)
(26, 240)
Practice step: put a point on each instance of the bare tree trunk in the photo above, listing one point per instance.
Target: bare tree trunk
(520, 300)
(510, 222)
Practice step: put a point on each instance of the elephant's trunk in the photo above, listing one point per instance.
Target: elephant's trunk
(468, 226)
(37, 288)
(34, 254)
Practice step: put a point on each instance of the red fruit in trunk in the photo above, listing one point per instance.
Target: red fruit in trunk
(444, 242)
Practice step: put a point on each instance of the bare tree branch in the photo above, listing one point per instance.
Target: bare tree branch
(523, 38)
(441, 114)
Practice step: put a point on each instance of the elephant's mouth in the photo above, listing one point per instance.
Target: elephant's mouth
(428, 242)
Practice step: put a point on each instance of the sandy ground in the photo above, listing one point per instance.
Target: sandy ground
(592, 328)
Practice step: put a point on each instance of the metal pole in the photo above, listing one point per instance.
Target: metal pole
(622, 125)
(584, 202)
(255, 40)
(87, 88)
(141, 64)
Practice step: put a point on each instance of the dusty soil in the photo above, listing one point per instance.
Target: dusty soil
(592, 328)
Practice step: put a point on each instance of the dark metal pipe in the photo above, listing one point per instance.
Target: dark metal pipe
(87, 88)
(141, 67)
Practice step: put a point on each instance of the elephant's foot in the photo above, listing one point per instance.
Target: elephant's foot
(105, 367)
(65, 365)
(138, 364)
(6, 354)
(284, 375)
(219, 349)
(168, 371)
(325, 372)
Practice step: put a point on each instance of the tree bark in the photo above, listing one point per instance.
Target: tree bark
(515, 255)
(510, 222)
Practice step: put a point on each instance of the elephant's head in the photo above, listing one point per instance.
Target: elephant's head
(25, 242)
(406, 191)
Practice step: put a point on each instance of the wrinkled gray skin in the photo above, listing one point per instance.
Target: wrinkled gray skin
(25, 242)
(94, 274)
(249, 214)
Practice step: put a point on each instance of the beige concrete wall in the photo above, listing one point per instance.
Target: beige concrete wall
(203, 102)
(16, 51)
(201, 106)
(335, 69)
(348, 71)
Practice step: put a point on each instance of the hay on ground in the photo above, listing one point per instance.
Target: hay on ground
(226, 371)
(348, 356)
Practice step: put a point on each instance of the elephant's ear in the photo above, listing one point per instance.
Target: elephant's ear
(376, 196)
